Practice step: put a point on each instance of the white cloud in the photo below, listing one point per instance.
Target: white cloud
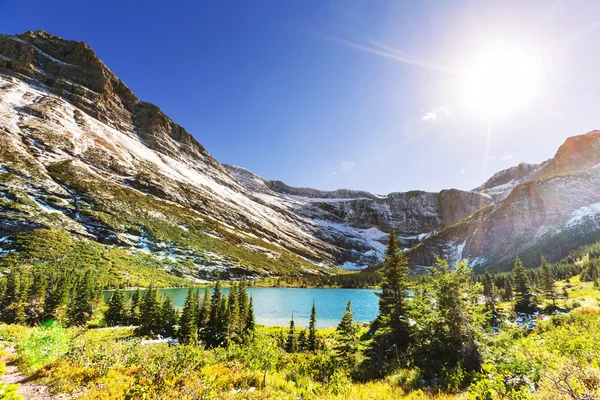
(463, 170)
(347, 166)
(506, 156)
(436, 114)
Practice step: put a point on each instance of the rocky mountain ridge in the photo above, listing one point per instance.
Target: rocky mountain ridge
(80, 153)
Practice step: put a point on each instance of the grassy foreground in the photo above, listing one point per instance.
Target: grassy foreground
(560, 359)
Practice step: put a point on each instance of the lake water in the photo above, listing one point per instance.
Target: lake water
(274, 306)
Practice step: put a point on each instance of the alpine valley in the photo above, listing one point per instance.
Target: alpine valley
(86, 164)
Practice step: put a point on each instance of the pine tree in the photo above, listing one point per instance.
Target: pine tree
(223, 326)
(445, 336)
(13, 310)
(150, 312)
(36, 298)
(56, 297)
(188, 327)
(521, 279)
(291, 344)
(302, 341)
(489, 291)
(233, 312)
(313, 342)
(82, 302)
(204, 312)
(346, 333)
(116, 312)
(547, 281)
(134, 309)
(168, 317)
(392, 328)
(250, 322)
(508, 291)
(243, 304)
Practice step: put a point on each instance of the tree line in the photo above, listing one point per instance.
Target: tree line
(213, 318)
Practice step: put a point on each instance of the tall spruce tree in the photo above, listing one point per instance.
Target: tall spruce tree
(489, 289)
(243, 305)
(13, 303)
(168, 317)
(392, 328)
(521, 278)
(188, 327)
(547, 281)
(291, 343)
(82, 301)
(346, 331)
(134, 308)
(250, 322)
(204, 312)
(233, 312)
(116, 312)
(214, 333)
(150, 312)
(313, 342)
(56, 297)
(36, 297)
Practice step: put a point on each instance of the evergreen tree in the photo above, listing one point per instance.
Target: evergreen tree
(13, 307)
(221, 336)
(233, 312)
(392, 328)
(302, 341)
(489, 290)
(250, 322)
(508, 291)
(116, 312)
(168, 317)
(243, 304)
(150, 312)
(204, 312)
(36, 297)
(82, 301)
(547, 281)
(346, 334)
(134, 309)
(218, 319)
(56, 297)
(291, 344)
(313, 342)
(445, 337)
(521, 279)
(188, 327)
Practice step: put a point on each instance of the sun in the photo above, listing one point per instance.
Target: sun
(501, 79)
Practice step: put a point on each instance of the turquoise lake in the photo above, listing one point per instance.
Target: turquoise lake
(274, 306)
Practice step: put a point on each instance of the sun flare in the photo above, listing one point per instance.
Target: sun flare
(501, 79)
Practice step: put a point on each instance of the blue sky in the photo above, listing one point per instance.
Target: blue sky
(354, 94)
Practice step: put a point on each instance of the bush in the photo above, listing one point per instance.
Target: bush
(42, 346)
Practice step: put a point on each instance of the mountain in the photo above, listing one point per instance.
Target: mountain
(547, 209)
(80, 152)
(84, 162)
(358, 222)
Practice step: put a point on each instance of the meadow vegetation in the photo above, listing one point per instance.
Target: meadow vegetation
(530, 334)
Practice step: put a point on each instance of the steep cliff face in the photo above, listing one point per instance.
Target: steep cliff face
(552, 210)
